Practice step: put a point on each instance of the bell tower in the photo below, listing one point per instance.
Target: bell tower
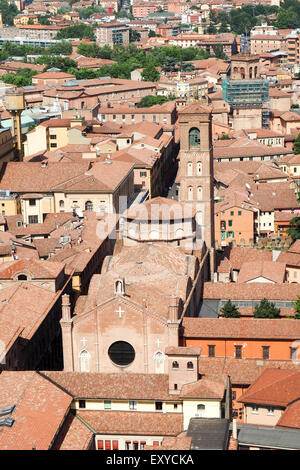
(195, 178)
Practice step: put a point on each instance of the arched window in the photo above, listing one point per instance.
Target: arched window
(255, 71)
(242, 72)
(235, 69)
(175, 365)
(250, 72)
(84, 358)
(194, 137)
(200, 410)
(190, 169)
(61, 203)
(88, 206)
(190, 365)
(22, 277)
(190, 193)
(199, 168)
(199, 193)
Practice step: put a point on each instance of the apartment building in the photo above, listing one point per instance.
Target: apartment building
(190, 90)
(142, 10)
(113, 34)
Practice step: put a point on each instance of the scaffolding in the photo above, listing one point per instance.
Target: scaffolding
(245, 93)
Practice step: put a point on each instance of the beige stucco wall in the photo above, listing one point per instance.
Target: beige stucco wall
(262, 417)
(212, 410)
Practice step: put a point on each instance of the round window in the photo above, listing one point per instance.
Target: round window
(121, 353)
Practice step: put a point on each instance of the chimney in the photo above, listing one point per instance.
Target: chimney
(234, 428)
(66, 308)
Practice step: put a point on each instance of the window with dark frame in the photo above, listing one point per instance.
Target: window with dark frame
(211, 350)
(266, 352)
(238, 352)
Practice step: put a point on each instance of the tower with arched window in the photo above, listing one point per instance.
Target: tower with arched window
(196, 182)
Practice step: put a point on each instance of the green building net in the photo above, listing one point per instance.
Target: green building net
(249, 93)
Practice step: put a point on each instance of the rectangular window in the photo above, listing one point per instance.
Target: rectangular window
(107, 404)
(107, 445)
(255, 410)
(155, 443)
(128, 445)
(143, 174)
(115, 445)
(266, 352)
(142, 445)
(53, 145)
(293, 353)
(33, 219)
(32, 202)
(81, 403)
(238, 352)
(175, 406)
(239, 212)
(211, 350)
(230, 223)
(100, 445)
(234, 395)
(53, 137)
(158, 405)
(231, 212)
(132, 405)
(270, 410)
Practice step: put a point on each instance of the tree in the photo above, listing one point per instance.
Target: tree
(297, 145)
(43, 20)
(218, 51)
(76, 31)
(296, 304)
(134, 36)
(150, 100)
(9, 11)
(30, 21)
(22, 78)
(65, 8)
(150, 73)
(229, 310)
(294, 229)
(62, 63)
(266, 309)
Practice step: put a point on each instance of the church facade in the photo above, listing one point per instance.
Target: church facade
(134, 308)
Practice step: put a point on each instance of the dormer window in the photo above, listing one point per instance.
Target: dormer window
(22, 277)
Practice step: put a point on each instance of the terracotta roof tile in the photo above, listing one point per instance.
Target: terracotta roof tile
(241, 328)
(274, 387)
(39, 412)
(128, 422)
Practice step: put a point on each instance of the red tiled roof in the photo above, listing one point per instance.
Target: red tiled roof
(270, 270)
(133, 422)
(274, 387)
(253, 291)
(291, 416)
(74, 435)
(39, 413)
(241, 328)
(113, 386)
(211, 387)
